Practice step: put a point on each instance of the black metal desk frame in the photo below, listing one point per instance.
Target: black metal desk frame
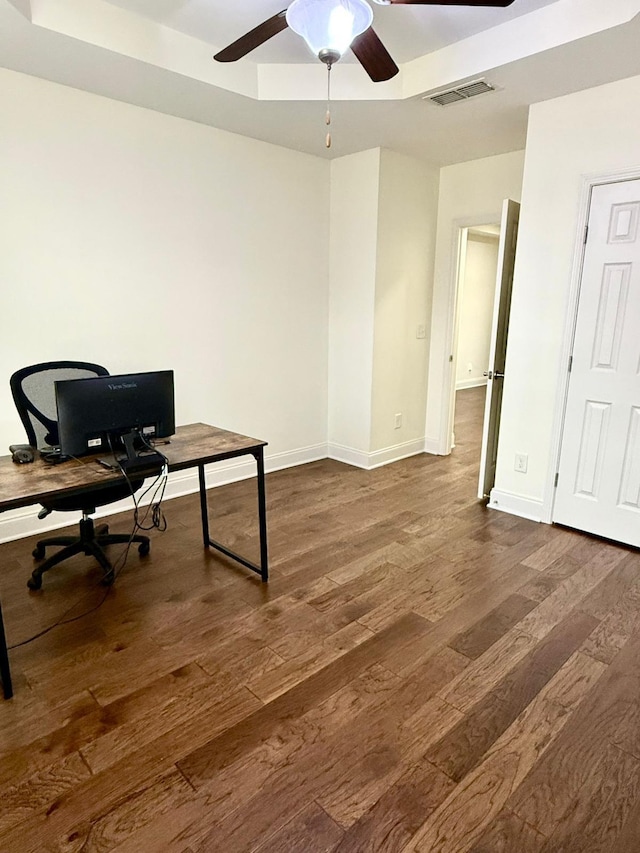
(263, 568)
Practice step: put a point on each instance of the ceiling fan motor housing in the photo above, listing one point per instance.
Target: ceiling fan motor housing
(328, 56)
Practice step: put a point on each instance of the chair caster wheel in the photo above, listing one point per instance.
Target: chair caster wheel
(102, 530)
(38, 552)
(108, 579)
(144, 549)
(34, 582)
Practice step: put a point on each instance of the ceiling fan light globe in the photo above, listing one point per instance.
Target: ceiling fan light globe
(329, 25)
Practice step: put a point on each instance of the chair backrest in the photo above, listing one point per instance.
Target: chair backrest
(34, 394)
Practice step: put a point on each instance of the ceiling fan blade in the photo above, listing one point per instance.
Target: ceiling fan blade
(374, 56)
(501, 3)
(254, 38)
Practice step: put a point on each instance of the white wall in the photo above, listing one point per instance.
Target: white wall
(355, 182)
(476, 309)
(404, 275)
(470, 194)
(143, 241)
(589, 133)
(383, 215)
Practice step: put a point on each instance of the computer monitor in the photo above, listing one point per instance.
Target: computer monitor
(107, 413)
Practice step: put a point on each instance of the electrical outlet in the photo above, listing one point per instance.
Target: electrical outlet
(398, 422)
(421, 331)
(521, 463)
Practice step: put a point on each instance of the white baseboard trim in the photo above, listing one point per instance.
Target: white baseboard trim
(368, 461)
(432, 445)
(516, 505)
(19, 523)
(348, 455)
(470, 383)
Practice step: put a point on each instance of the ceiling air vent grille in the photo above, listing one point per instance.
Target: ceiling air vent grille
(461, 93)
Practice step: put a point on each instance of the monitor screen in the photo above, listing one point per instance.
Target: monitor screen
(94, 415)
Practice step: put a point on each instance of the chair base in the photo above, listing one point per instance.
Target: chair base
(92, 541)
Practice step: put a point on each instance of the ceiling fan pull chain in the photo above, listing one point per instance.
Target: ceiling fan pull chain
(328, 116)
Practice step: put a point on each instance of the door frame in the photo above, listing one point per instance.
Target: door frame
(588, 182)
(448, 354)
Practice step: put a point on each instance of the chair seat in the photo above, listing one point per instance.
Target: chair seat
(88, 501)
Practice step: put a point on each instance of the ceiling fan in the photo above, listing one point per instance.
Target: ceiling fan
(330, 27)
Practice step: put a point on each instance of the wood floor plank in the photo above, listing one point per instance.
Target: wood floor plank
(363, 750)
(238, 782)
(572, 591)
(475, 604)
(400, 719)
(97, 795)
(39, 791)
(33, 718)
(622, 622)
(311, 830)
(594, 820)
(383, 763)
(145, 806)
(201, 764)
(507, 834)
(613, 587)
(268, 686)
(555, 547)
(476, 803)
(389, 824)
(462, 748)
(546, 581)
(145, 715)
(477, 679)
(476, 640)
(628, 840)
(562, 774)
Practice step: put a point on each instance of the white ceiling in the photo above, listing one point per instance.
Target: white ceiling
(407, 31)
(158, 54)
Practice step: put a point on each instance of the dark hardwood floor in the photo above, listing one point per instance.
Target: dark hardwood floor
(420, 674)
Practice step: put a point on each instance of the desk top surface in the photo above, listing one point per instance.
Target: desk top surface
(24, 485)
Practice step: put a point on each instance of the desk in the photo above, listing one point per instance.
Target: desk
(192, 446)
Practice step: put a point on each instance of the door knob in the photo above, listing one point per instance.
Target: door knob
(497, 375)
(488, 374)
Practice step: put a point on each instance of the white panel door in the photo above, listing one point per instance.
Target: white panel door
(598, 486)
(498, 346)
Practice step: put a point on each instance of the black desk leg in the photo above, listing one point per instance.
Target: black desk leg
(204, 511)
(263, 568)
(262, 515)
(5, 672)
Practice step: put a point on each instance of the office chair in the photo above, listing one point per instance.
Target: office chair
(33, 392)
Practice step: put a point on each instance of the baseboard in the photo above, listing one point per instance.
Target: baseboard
(377, 458)
(432, 445)
(470, 383)
(19, 523)
(516, 505)
(348, 455)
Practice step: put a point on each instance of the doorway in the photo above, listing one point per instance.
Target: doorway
(497, 337)
(476, 284)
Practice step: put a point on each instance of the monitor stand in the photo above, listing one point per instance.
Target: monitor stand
(135, 461)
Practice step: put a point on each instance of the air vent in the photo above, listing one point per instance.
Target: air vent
(460, 93)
